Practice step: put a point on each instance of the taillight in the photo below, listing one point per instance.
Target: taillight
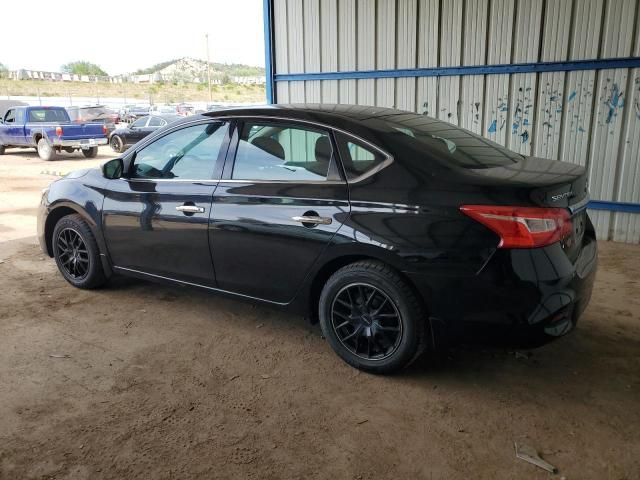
(59, 131)
(104, 129)
(522, 227)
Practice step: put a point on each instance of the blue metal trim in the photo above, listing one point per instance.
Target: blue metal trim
(614, 206)
(569, 66)
(268, 50)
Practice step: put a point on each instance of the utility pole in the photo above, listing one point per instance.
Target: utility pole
(206, 36)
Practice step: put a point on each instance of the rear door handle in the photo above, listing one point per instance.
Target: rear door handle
(315, 220)
(190, 209)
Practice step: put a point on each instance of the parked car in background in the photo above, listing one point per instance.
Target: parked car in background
(50, 131)
(94, 114)
(136, 111)
(395, 231)
(214, 106)
(184, 109)
(124, 110)
(163, 110)
(124, 137)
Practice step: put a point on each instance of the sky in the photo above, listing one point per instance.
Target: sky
(123, 36)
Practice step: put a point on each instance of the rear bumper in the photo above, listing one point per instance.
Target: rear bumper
(521, 294)
(83, 143)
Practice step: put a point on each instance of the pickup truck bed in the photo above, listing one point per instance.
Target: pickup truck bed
(49, 130)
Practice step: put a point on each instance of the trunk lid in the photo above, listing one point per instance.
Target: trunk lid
(544, 183)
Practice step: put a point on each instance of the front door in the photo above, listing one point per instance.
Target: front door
(156, 219)
(137, 130)
(14, 129)
(280, 202)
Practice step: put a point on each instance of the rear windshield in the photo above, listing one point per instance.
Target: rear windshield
(459, 146)
(48, 115)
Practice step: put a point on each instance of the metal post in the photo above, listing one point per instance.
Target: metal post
(206, 36)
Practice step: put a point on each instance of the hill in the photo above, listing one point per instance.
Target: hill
(197, 68)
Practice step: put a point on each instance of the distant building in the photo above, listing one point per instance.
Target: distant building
(185, 70)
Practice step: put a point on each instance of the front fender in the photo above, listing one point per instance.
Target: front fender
(68, 196)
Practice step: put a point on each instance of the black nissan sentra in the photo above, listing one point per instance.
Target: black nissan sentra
(395, 231)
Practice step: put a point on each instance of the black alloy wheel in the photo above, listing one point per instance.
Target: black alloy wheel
(366, 321)
(372, 317)
(76, 252)
(73, 253)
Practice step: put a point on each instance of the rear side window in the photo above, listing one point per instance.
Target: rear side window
(155, 122)
(274, 151)
(358, 158)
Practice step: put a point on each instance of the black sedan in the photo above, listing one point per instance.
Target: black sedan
(123, 137)
(395, 231)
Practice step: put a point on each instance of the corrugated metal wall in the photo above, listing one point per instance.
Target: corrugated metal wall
(590, 117)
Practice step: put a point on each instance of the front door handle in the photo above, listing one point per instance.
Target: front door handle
(190, 209)
(312, 220)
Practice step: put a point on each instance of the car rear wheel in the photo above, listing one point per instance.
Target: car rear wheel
(45, 150)
(90, 152)
(76, 252)
(372, 318)
(116, 143)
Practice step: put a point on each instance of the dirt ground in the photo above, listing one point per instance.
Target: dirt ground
(139, 380)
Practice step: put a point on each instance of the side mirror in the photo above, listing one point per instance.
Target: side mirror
(113, 169)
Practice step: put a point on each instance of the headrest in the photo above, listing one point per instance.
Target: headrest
(269, 145)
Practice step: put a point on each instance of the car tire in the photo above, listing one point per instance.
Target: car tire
(372, 318)
(45, 150)
(116, 144)
(76, 253)
(90, 152)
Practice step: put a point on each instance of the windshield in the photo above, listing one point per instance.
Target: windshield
(460, 146)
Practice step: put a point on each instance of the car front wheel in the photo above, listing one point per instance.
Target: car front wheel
(76, 252)
(116, 143)
(372, 318)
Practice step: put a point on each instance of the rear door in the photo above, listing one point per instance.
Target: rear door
(278, 205)
(156, 220)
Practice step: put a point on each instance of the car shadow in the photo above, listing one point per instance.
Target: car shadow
(588, 348)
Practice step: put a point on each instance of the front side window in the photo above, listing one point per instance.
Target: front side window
(10, 117)
(189, 153)
(274, 151)
(141, 122)
(358, 158)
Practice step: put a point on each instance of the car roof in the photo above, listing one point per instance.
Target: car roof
(366, 122)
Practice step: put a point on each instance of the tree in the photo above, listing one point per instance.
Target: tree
(4, 71)
(83, 68)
